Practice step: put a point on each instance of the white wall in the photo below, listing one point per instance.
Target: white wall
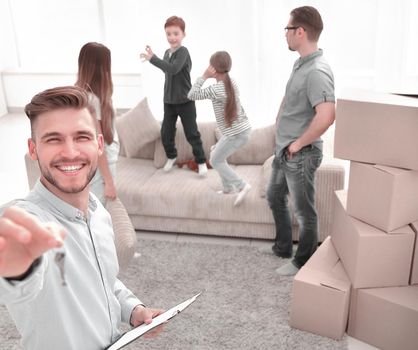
(369, 44)
(210, 26)
(7, 48)
(20, 87)
(3, 106)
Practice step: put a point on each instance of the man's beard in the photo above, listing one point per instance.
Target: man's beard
(48, 176)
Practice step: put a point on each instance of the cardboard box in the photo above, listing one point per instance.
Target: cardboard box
(414, 269)
(377, 128)
(321, 294)
(382, 196)
(371, 257)
(385, 317)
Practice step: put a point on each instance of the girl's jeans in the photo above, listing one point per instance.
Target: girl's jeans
(223, 149)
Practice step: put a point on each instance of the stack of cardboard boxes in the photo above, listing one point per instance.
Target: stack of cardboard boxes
(364, 278)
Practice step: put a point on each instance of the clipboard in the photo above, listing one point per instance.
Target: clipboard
(130, 336)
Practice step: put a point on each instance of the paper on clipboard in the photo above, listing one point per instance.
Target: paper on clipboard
(135, 333)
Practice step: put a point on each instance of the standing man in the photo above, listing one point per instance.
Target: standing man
(307, 110)
(64, 294)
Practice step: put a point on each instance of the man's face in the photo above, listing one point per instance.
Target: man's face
(67, 149)
(174, 36)
(291, 36)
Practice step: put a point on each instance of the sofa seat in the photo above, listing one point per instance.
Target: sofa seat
(131, 175)
(183, 194)
(181, 201)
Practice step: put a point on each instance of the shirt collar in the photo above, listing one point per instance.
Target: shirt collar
(302, 60)
(63, 207)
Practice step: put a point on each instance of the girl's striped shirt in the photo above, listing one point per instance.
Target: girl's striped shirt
(217, 94)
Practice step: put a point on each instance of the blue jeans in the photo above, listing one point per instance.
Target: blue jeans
(295, 177)
(223, 149)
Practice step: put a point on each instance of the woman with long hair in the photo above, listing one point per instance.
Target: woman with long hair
(94, 75)
(231, 119)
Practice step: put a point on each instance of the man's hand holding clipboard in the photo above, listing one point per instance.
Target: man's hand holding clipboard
(137, 332)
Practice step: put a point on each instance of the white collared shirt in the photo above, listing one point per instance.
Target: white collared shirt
(87, 312)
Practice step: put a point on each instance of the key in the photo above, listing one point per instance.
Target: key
(60, 261)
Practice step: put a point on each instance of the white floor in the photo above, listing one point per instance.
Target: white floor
(14, 132)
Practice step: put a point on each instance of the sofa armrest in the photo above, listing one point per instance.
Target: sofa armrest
(329, 178)
(125, 235)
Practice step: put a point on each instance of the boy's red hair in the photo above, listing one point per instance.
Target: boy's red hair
(175, 21)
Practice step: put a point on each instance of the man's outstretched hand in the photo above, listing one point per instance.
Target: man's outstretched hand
(23, 239)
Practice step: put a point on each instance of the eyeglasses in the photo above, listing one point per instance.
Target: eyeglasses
(290, 28)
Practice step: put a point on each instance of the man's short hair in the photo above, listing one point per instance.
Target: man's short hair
(309, 19)
(62, 97)
(175, 21)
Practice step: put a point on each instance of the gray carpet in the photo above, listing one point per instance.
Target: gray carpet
(245, 305)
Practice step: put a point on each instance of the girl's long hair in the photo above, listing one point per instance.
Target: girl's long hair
(221, 62)
(94, 74)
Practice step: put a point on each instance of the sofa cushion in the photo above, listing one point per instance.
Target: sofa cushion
(257, 150)
(131, 175)
(183, 194)
(136, 128)
(121, 148)
(184, 150)
(147, 151)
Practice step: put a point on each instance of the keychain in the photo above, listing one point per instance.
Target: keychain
(60, 261)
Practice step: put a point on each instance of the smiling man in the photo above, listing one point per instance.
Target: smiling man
(64, 294)
(65, 143)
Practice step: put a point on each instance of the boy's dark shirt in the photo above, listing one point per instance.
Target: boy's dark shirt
(177, 74)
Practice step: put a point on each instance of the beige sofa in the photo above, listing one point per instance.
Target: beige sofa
(182, 202)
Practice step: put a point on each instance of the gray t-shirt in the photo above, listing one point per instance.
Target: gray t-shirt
(310, 84)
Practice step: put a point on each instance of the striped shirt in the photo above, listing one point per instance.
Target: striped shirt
(217, 94)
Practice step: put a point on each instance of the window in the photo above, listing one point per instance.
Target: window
(49, 33)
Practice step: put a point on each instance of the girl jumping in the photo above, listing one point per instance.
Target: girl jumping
(230, 118)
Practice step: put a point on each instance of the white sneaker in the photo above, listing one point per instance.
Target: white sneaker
(169, 164)
(203, 169)
(287, 270)
(242, 194)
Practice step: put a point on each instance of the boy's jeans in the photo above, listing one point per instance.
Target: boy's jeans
(187, 113)
(296, 177)
(223, 149)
